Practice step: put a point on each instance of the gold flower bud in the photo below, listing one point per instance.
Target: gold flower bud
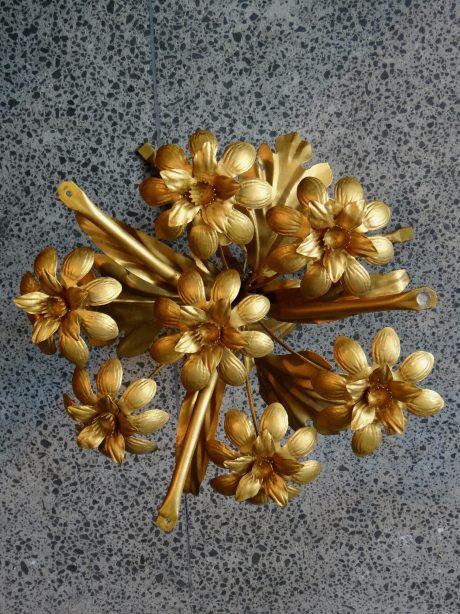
(311, 189)
(170, 157)
(254, 194)
(288, 222)
(199, 138)
(154, 192)
(237, 158)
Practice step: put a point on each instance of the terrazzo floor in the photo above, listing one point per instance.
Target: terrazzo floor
(374, 86)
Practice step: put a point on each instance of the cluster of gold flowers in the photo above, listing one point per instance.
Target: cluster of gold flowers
(252, 218)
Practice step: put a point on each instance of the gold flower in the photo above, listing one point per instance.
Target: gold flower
(263, 468)
(60, 303)
(108, 424)
(330, 236)
(211, 330)
(203, 193)
(369, 397)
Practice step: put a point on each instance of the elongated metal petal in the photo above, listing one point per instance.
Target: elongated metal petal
(237, 158)
(163, 349)
(350, 355)
(376, 215)
(275, 420)
(149, 421)
(256, 343)
(203, 241)
(310, 190)
(239, 429)
(226, 285)
(366, 440)
(77, 264)
(101, 291)
(98, 325)
(191, 288)
(348, 190)
(301, 442)
(386, 347)
(427, 403)
(362, 415)
(73, 349)
(194, 373)
(44, 328)
(219, 452)
(416, 367)
(109, 377)
(82, 388)
(226, 484)
(310, 470)
(137, 445)
(137, 395)
(248, 486)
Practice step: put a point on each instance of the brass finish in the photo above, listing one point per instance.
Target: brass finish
(253, 219)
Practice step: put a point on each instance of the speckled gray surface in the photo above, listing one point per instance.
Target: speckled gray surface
(373, 86)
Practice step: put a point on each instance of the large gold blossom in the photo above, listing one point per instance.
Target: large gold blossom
(330, 236)
(263, 468)
(371, 396)
(108, 423)
(203, 193)
(211, 331)
(61, 303)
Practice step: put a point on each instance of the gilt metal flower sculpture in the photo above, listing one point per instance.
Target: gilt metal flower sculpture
(269, 248)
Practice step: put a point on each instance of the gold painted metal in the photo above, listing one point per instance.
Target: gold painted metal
(253, 219)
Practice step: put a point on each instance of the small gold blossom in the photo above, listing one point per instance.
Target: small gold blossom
(330, 236)
(62, 303)
(203, 193)
(368, 397)
(108, 423)
(211, 330)
(263, 469)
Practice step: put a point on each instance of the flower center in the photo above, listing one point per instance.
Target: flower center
(202, 194)
(56, 307)
(379, 396)
(210, 333)
(264, 468)
(336, 238)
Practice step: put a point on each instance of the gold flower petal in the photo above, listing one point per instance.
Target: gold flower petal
(238, 228)
(356, 278)
(384, 251)
(149, 421)
(182, 212)
(256, 343)
(28, 283)
(335, 262)
(164, 230)
(288, 222)
(82, 413)
(351, 215)
(109, 377)
(44, 328)
(275, 420)
(386, 347)
(231, 369)
(416, 367)
(226, 285)
(33, 302)
(167, 312)
(264, 446)
(155, 192)
(362, 415)
(360, 245)
(239, 429)
(81, 385)
(239, 465)
(333, 419)
(252, 308)
(310, 470)
(237, 158)
(219, 453)
(348, 190)
(162, 350)
(114, 447)
(194, 373)
(311, 190)
(189, 343)
(321, 171)
(301, 442)
(170, 157)
(427, 403)
(376, 215)
(101, 291)
(137, 445)
(356, 388)
(191, 288)
(225, 187)
(226, 484)
(315, 281)
(393, 419)
(46, 261)
(292, 491)
(320, 215)
(311, 246)
(199, 138)
(204, 162)
(177, 180)
(73, 349)
(91, 436)
(248, 486)
(76, 265)
(254, 194)
(286, 259)
(203, 241)
(276, 489)
(138, 394)
(330, 385)
(367, 440)
(98, 325)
